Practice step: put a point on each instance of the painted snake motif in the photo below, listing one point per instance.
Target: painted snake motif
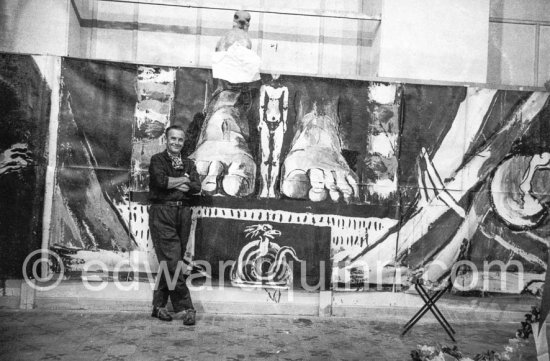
(261, 261)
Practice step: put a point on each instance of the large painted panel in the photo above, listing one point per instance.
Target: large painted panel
(24, 116)
(91, 206)
(382, 180)
(479, 168)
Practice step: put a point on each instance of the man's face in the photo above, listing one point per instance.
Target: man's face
(174, 141)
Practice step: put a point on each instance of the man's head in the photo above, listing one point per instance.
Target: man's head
(241, 20)
(174, 139)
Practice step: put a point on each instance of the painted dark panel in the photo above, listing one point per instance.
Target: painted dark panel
(428, 114)
(94, 156)
(24, 117)
(102, 98)
(307, 249)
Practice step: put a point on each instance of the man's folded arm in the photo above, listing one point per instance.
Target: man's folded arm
(158, 176)
(174, 182)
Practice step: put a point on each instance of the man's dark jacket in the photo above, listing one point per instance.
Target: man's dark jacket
(160, 169)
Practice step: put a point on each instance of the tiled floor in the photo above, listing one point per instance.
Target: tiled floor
(71, 335)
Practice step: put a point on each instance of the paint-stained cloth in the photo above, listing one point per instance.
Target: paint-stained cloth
(236, 65)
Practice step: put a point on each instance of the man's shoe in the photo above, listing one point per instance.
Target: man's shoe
(189, 317)
(161, 314)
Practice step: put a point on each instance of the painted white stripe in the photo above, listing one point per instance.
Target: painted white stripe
(517, 250)
(545, 241)
(465, 126)
(447, 257)
(50, 68)
(436, 182)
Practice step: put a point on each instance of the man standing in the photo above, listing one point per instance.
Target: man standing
(173, 180)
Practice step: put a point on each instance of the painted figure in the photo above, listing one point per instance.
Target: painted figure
(173, 181)
(272, 127)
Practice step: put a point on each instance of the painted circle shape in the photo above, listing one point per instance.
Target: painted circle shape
(509, 202)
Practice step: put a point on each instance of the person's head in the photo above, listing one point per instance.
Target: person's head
(174, 139)
(241, 20)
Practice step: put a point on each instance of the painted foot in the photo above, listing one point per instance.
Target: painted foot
(315, 168)
(222, 156)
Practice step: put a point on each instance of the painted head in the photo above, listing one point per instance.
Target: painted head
(175, 137)
(241, 20)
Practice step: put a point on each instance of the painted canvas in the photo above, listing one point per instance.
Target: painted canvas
(386, 181)
(24, 116)
(91, 206)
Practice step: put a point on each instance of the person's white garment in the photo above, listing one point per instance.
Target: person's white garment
(236, 65)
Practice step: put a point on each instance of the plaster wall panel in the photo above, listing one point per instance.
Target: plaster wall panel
(348, 6)
(373, 53)
(116, 45)
(340, 41)
(116, 13)
(435, 40)
(291, 44)
(534, 10)
(167, 35)
(114, 37)
(511, 54)
(544, 55)
(297, 5)
(80, 28)
(34, 26)
(75, 40)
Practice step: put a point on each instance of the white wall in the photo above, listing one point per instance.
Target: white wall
(423, 40)
(330, 38)
(435, 40)
(34, 26)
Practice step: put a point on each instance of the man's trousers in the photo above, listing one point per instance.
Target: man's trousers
(169, 227)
